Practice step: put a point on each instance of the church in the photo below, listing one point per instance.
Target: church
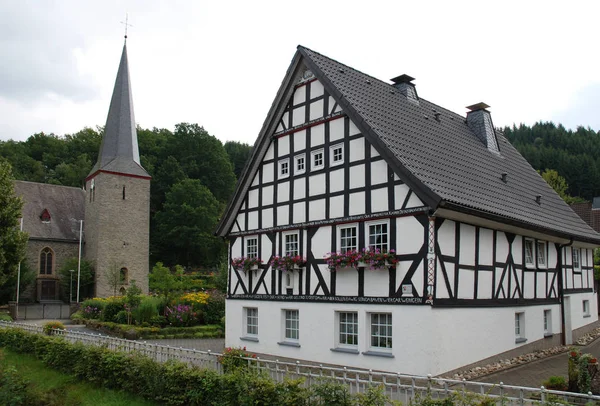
(373, 228)
(106, 223)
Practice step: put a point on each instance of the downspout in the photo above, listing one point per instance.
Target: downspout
(559, 260)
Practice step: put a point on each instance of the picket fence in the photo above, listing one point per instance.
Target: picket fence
(397, 386)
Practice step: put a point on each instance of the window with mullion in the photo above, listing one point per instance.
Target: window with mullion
(292, 327)
(529, 252)
(252, 321)
(252, 248)
(348, 328)
(348, 239)
(576, 259)
(541, 253)
(381, 330)
(378, 237)
(291, 244)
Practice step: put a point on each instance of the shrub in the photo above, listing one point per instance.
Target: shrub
(556, 383)
(180, 315)
(50, 326)
(159, 321)
(78, 316)
(146, 310)
(121, 317)
(332, 393)
(14, 389)
(233, 358)
(5, 317)
(113, 306)
(214, 309)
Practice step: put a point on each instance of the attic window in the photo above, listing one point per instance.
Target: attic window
(45, 216)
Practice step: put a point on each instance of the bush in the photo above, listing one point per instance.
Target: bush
(146, 310)
(78, 316)
(112, 308)
(158, 321)
(5, 317)
(214, 309)
(50, 326)
(92, 308)
(180, 315)
(556, 383)
(121, 317)
(14, 389)
(234, 358)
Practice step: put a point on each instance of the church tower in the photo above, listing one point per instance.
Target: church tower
(117, 204)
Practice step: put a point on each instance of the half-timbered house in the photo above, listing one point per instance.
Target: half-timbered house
(490, 260)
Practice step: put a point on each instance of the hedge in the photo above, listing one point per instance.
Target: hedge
(176, 383)
(134, 332)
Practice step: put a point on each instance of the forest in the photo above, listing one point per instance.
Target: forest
(194, 174)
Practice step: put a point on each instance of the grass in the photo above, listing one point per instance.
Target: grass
(66, 388)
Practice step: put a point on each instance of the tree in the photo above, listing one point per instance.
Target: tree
(86, 281)
(238, 153)
(113, 277)
(186, 225)
(8, 291)
(559, 184)
(12, 240)
(163, 281)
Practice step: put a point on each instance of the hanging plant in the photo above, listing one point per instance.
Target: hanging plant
(374, 259)
(246, 263)
(348, 259)
(377, 259)
(288, 262)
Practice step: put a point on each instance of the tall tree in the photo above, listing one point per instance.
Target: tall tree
(238, 153)
(12, 239)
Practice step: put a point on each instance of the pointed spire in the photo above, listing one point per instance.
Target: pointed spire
(119, 150)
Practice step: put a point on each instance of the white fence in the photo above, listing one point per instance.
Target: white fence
(398, 386)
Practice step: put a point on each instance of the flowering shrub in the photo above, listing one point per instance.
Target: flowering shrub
(50, 326)
(288, 262)
(245, 263)
(234, 358)
(180, 315)
(375, 259)
(91, 312)
(199, 298)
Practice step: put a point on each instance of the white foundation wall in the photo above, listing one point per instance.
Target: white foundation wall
(426, 340)
(578, 317)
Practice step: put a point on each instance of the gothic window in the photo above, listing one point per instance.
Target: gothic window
(45, 216)
(123, 276)
(46, 261)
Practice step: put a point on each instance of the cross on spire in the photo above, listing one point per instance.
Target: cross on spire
(126, 24)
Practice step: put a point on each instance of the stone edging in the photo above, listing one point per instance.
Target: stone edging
(502, 365)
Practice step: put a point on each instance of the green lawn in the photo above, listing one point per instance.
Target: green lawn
(66, 389)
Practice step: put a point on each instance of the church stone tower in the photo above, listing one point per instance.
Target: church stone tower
(117, 204)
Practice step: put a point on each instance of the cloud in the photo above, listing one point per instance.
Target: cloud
(583, 109)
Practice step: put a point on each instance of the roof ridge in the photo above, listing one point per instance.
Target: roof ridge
(49, 184)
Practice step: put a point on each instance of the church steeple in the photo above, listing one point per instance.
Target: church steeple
(119, 151)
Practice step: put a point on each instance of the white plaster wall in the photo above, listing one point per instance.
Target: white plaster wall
(336, 207)
(357, 203)
(268, 173)
(253, 220)
(253, 198)
(409, 235)
(336, 180)
(316, 89)
(379, 200)
(357, 176)
(267, 218)
(414, 201)
(269, 155)
(267, 195)
(283, 215)
(283, 192)
(336, 129)
(377, 282)
(353, 129)
(316, 110)
(300, 188)
(316, 184)
(378, 172)
(357, 149)
(298, 116)
(467, 245)
(283, 145)
(321, 243)
(346, 282)
(316, 210)
(425, 339)
(299, 140)
(299, 212)
(577, 316)
(317, 135)
(299, 95)
(241, 220)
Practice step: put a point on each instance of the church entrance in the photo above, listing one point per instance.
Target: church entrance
(48, 290)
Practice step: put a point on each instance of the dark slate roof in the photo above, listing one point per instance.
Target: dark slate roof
(65, 205)
(119, 150)
(443, 161)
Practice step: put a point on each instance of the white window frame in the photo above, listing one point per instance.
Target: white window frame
(520, 326)
(284, 165)
(286, 330)
(547, 322)
(529, 262)
(389, 345)
(250, 321)
(248, 240)
(313, 155)
(285, 242)
(332, 160)
(347, 328)
(344, 227)
(586, 308)
(575, 252)
(368, 225)
(543, 251)
(296, 159)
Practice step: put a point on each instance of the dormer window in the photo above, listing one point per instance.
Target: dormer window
(45, 216)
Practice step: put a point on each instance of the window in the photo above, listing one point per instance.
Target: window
(317, 159)
(381, 330)
(529, 253)
(576, 258)
(378, 237)
(547, 322)
(252, 247)
(348, 325)
(348, 239)
(541, 254)
(292, 327)
(291, 244)
(45, 216)
(46, 261)
(337, 154)
(251, 321)
(123, 276)
(289, 280)
(520, 327)
(300, 165)
(586, 308)
(284, 168)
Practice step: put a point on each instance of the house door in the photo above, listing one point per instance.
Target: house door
(568, 328)
(48, 291)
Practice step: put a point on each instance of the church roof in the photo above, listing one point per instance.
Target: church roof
(63, 204)
(432, 150)
(119, 151)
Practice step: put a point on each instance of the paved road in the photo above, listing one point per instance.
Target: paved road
(534, 373)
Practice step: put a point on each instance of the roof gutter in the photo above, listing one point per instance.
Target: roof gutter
(561, 292)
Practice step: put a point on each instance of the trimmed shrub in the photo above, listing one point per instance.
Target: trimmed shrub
(50, 326)
(112, 308)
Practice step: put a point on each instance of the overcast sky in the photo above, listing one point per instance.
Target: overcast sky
(220, 63)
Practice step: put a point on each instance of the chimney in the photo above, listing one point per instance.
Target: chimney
(479, 121)
(404, 85)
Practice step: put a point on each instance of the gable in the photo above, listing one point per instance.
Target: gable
(318, 166)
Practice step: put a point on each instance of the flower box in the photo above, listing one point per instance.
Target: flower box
(373, 259)
(246, 264)
(288, 263)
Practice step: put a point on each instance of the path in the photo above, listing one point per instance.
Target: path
(534, 373)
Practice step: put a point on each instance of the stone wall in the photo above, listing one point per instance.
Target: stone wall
(117, 225)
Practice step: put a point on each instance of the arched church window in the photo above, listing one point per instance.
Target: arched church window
(45, 216)
(123, 275)
(46, 261)
(123, 192)
(122, 291)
